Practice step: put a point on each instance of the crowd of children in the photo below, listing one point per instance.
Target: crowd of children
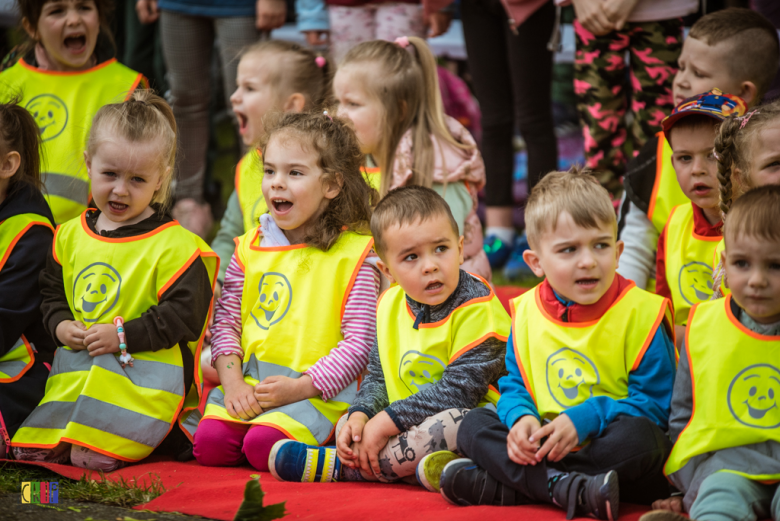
(603, 385)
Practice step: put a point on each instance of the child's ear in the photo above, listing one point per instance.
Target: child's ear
(723, 264)
(461, 259)
(749, 92)
(332, 189)
(31, 31)
(385, 270)
(532, 259)
(88, 162)
(295, 103)
(10, 165)
(619, 246)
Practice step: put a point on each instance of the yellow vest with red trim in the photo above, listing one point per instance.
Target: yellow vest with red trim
(249, 189)
(21, 356)
(688, 273)
(373, 176)
(291, 310)
(93, 401)
(564, 364)
(414, 359)
(736, 387)
(666, 191)
(63, 105)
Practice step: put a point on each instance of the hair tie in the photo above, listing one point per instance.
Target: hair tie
(325, 112)
(744, 119)
(320, 61)
(402, 41)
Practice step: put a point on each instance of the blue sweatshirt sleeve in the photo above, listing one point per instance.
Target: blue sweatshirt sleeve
(312, 15)
(515, 401)
(649, 392)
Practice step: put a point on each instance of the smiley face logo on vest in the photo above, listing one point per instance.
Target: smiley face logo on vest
(50, 113)
(274, 300)
(695, 282)
(570, 377)
(419, 371)
(96, 291)
(753, 396)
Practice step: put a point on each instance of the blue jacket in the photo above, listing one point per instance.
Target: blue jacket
(210, 8)
(649, 391)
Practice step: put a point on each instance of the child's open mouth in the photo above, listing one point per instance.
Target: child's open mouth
(242, 123)
(117, 207)
(76, 43)
(587, 283)
(281, 206)
(434, 286)
(701, 189)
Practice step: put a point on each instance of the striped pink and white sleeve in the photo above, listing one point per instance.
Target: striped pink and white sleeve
(334, 372)
(226, 331)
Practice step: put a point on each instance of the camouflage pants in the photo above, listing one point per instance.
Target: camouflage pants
(602, 93)
(403, 452)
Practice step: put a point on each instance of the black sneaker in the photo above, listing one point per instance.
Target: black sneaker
(591, 496)
(464, 483)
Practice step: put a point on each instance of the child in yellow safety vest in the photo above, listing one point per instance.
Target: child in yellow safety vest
(726, 456)
(64, 74)
(417, 144)
(26, 230)
(296, 319)
(591, 366)
(127, 293)
(440, 341)
(734, 50)
(748, 152)
(687, 242)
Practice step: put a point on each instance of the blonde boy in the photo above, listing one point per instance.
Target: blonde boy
(584, 407)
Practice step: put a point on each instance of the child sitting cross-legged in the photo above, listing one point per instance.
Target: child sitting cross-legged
(440, 342)
(591, 368)
(726, 456)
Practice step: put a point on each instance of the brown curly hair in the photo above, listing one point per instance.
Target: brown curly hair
(340, 159)
(733, 147)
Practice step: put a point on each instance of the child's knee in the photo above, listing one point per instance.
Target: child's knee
(725, 495)
(258, 444)
(218, 443)
(89, 459)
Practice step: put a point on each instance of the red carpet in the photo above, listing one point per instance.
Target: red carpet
(505, 293)
(216, 493)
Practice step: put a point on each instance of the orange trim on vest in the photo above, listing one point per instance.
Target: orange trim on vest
(16, 239)
(363, 256)
(523, 374)
(738, 324)
(138, 79)
(123, 239)
(476, 343)
(66, 73)
(659, 166)
(540, 305)
(661, 315)
(31, 353)
(465, 304)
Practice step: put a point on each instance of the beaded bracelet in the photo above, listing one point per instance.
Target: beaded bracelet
(124, 358)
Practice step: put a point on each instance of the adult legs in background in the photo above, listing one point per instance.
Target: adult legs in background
(512, 75)
(258, 443)
(655, 48)
(724, 496)
(219, 444)
(143, 49)
(233, 35)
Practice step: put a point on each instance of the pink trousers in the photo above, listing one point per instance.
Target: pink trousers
(228, 444)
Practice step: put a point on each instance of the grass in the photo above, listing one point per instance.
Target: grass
(122, 493)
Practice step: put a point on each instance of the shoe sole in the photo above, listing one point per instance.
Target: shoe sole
(611, 489)
(272, 458)
(422, 479)
(444, 479)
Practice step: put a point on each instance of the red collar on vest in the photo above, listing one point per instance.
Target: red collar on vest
(577, 312)
(702, 227)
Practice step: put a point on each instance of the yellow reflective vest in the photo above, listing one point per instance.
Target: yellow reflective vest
(688, 272)
(666, 191)
(21, 356)
(291, 310)
(63, 105)
(736, 387)
(373, 176)
(413, 359)
(93, 401)
(563, 364)
(249, 188)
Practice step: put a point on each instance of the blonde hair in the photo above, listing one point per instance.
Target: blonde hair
(143, 117)
(408, 89)
(339, 156)
(733, 151)
(407, 205)
(576, 192)
(296, 70)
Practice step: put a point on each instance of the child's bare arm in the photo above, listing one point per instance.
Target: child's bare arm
(240, 401)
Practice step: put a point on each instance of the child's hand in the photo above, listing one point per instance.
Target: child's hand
(350, 434)
(561, 438)
(240, 400)
(673, 504)
(376, 433)
(270, 14)
(437, 23)
(618, 11)
(147, 11)
(276, 391)
(520, 449)
(102, 339)
(71, 333)
(592, 16)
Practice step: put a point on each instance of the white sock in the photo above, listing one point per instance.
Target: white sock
(505, 233)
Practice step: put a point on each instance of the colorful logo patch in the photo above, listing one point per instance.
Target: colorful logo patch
(37, 492)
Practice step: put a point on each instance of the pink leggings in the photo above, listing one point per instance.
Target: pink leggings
(227, 444)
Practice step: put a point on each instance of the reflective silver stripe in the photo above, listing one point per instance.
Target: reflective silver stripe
(12, 368)
(67, 187)
(103, 416)
(303, 412)
(192, 421)
(144, 373)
